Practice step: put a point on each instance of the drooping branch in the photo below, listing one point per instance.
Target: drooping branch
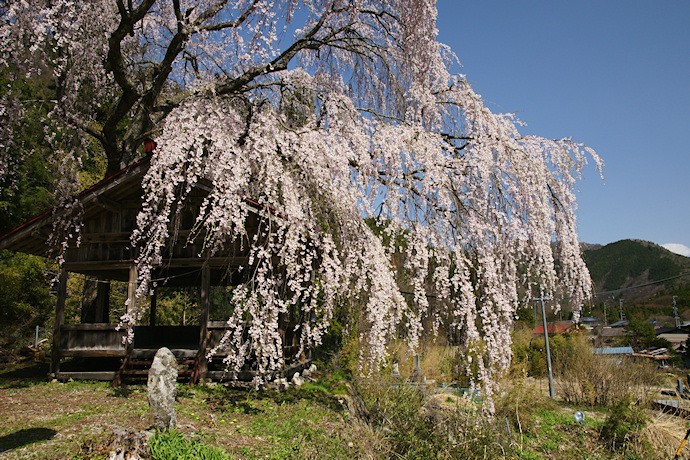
(355, 115)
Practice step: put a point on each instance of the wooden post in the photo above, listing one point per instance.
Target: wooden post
(154, 304)
(132, 288)
(59, 321)
(132, 298)
(205, 308)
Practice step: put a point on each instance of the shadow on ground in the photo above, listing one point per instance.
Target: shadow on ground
(245, 401)
(23, 374)
(24, 437)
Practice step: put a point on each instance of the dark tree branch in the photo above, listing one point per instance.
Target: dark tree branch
(211, 12)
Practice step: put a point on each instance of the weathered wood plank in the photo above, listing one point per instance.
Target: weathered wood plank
(91, 353)
(153, 307)
(59, 320)
(187, 262)
(132, 288)
(86, 375)
(107, 203)
(90, 327)
(205, 305)
(149, 353)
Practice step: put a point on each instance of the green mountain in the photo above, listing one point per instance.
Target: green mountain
(629, 270)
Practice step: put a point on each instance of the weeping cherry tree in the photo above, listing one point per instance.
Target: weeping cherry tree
(326, 112)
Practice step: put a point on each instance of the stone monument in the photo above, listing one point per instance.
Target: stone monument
(162, 390)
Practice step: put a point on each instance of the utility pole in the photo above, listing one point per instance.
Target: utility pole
(606, 321)
(620, 308)
(675, 312)
(546, 341)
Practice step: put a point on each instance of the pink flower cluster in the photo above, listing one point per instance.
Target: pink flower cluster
(352, 116)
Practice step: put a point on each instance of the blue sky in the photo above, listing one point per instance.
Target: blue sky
(612, 74)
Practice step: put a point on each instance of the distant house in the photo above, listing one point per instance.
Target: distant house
(678, 337)
(614, 351)
(621, 323)
(613, 331)
(615, 354)
(675, 335)
(658, 355)
(589, 321)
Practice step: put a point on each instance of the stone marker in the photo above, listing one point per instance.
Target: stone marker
(162, 390)
(416, 376)
(395, 373)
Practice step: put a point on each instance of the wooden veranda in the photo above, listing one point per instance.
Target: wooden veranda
(108, 218)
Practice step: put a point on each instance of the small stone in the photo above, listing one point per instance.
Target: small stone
(395, 373)
(297, 380)
(129, 445)
(162, 389)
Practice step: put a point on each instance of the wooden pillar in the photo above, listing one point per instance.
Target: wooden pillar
(132, 288)
(154, 304)
(204, 300)
(131, 298)
(59, 321)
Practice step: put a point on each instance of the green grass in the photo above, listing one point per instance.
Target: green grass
(76, 419)
(299, 423)
(173, 445)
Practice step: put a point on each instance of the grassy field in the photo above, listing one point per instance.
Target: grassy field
(40, 419)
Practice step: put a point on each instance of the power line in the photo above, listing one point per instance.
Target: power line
(615, 291)
(651, 283)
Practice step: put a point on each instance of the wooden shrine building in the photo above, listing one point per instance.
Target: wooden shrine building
(108, 214)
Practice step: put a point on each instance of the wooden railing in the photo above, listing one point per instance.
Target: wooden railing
(91, 340)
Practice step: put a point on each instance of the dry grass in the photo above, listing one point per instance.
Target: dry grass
(436, 361)
(665, 433)
(77, 419)
(597, 380)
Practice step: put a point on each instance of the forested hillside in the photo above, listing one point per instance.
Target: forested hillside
(628, 270)
(632, 262)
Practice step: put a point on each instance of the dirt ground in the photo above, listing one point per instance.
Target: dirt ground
(60, 420)
(53, 420)
(56, 420)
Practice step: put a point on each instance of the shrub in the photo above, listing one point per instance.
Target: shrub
(597, 380)
(25, 300)
(419, 426)
(520, 404)
(529, 357)
(396, 409)
(623, 426)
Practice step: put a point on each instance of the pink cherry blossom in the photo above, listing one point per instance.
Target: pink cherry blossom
(326, 113)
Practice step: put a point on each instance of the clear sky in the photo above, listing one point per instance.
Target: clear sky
(612, 74)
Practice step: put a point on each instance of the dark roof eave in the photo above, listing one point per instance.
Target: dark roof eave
(86, 195)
